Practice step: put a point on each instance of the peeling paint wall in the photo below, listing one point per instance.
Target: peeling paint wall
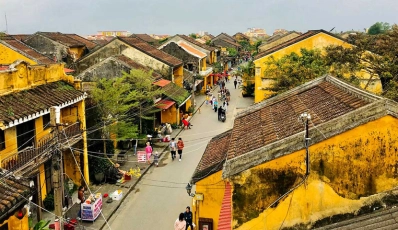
(345, 171)
(47, 47)
(107, 69)
(8, 56)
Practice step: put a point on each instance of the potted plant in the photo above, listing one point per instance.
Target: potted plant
(191, 110)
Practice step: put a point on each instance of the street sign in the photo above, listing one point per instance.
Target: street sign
(141, 156)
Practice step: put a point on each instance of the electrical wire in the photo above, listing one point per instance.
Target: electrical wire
(82, 175)
(287, 212)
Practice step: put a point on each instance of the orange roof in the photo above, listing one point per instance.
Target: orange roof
(66, 70)
(191, 50)
(164, 104)
(162, 82)
(225, 219)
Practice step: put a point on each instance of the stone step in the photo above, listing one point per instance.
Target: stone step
(389, 227)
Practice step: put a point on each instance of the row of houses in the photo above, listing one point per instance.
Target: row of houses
(52, 69)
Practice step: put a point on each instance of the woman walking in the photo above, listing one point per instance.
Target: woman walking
(180, 147)
(148, 151)
(180, 223)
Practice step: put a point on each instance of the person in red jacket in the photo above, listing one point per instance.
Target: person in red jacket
(180, 147)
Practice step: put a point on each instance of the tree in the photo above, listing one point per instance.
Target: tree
(142, 94)
(217, 67)
(379, 28)
(232, 52)
(193, 36)
(294, 69)
(247, 72)
(208, 42)
(112, 98)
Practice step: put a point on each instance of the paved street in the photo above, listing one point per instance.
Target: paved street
(161, 196)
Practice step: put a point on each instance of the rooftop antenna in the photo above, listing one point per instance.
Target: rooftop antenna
(332, 29)
(5, 15)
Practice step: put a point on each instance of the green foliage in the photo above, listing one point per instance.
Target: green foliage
(191, 109)
(379, 28)
(193, 36)
(217, 67)
(294, 69)
(48, 202)
(42, 225)
(163, 40)
(208, 42)
(232, 52)
(248, 89)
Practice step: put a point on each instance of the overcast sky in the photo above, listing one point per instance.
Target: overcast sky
(86, 17)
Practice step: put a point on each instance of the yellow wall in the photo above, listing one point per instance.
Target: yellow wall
(8, 56)
(77, 52)
(318, 41)
(27, 76)
(213, 188)
(169, 115)
(178, 74)
(203, 62)
(346, 170)
(16, 224)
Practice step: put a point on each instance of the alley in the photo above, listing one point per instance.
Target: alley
(161, 196)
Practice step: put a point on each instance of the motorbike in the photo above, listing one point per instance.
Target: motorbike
(222, 117)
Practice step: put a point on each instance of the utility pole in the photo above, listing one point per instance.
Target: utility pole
(57, 169)
(305, 117)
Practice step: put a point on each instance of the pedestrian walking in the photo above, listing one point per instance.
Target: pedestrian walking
(180, 223)
(235, 82)
(148, 151)
(173, 148)
(215, 105)
(180, 147)
(188, 218)
(156, 159)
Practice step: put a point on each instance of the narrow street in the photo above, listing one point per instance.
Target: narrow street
(161, 196)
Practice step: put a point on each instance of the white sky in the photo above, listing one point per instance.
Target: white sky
(187, 16)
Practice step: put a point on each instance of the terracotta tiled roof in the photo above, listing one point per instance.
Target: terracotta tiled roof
(193, 41)
(63, 39)
(162, 82)
(227, 35)
(145, 37)
(134, 65)
(100, 41)
(225, 218)
(232, 43)
(276, 118)
(175, 93)
(152, 51)
(292, 41)
(190, 49)
(12, 191)
(214, 156)
(164, 104)
(25, 50)
(21, 37)
(89, 44)
(240, 34)
(28, 102)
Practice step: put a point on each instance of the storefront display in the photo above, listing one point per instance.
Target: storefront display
(92, 208)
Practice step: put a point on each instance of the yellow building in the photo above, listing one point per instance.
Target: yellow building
(175, 100)
(313, 39)
(27, 141)
(254, 176)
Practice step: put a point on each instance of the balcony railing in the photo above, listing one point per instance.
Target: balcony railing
(206, 72)
(36, 155)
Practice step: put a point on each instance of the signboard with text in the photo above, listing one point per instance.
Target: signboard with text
(141, 156)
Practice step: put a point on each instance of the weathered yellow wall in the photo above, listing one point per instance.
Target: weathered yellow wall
(318, 41)
(26, 76)
(77, 52)
(10, 136)
(178, 74)
(203, 61)
(169, 115)
(8, 56)
(345, 171)
(213, 188)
